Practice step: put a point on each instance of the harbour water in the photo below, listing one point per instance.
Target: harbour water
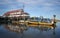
(16, 31)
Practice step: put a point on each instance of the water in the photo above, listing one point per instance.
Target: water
(13, 31)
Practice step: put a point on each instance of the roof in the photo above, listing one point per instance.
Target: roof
(14, 11)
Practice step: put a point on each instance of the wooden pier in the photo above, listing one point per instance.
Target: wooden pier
(29, 23)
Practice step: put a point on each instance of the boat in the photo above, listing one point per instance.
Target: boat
(40, 23)
(44, 22)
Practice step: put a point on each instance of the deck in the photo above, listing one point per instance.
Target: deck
(28, 23)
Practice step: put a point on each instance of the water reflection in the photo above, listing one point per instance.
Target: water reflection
(15, 28)
(22, 31)
(22, 28)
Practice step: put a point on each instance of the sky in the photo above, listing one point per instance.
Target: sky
(45, 8)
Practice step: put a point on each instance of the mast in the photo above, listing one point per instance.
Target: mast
(23, 11)
(23, 6)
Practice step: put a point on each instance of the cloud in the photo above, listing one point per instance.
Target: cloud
(40, 2)
(31, 2)
(14, 4)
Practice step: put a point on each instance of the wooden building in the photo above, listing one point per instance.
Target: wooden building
(17, 15)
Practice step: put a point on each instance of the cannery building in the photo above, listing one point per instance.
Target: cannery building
(17, 14)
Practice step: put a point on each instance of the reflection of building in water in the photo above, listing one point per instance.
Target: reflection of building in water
(19, 28)
(46, 27)
(15, 28)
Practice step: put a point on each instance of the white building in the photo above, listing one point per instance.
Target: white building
(17, 14)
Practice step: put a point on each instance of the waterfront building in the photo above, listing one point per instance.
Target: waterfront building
(17, 14)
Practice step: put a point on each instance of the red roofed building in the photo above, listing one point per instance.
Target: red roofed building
(17, 13)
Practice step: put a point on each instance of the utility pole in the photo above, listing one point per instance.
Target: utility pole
(54, 18)
(23, 6)
(23, 11)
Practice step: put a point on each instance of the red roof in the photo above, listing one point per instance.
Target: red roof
(11, 12)
(14, 11)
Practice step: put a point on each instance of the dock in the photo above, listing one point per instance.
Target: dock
(29, 23)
